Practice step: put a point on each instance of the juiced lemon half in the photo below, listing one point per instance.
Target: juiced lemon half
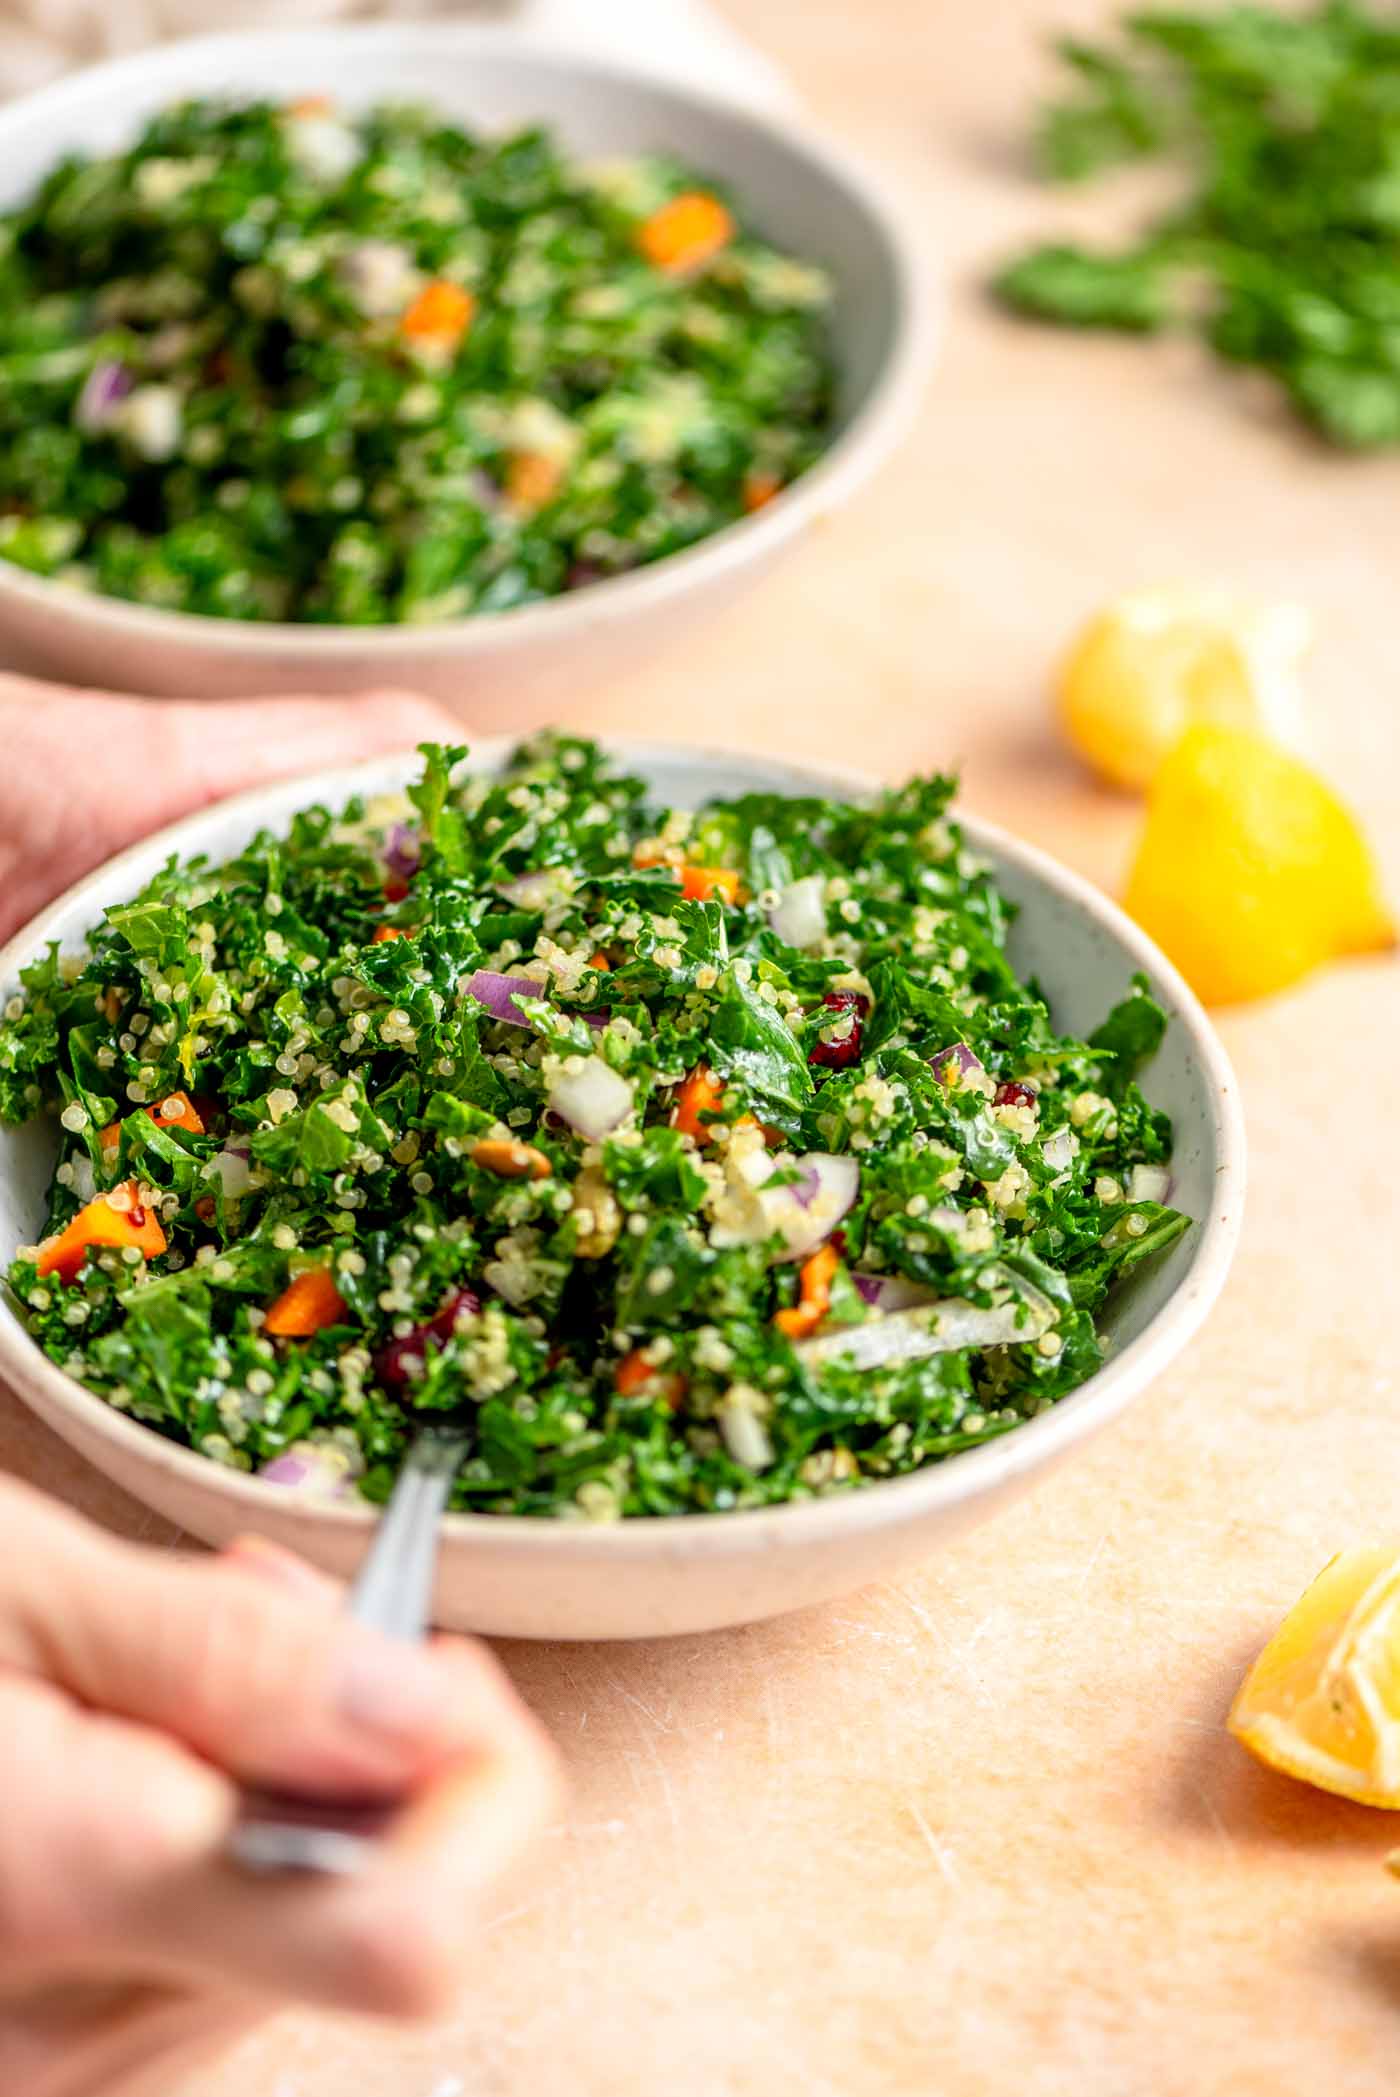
(1158, 662)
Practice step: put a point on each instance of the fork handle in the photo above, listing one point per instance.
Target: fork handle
(392, 1592)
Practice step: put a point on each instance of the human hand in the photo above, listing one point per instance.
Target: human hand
(137, 1691)
(86, 773)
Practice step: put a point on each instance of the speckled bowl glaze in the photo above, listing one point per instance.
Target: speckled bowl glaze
(529, 1578)
(509, 670)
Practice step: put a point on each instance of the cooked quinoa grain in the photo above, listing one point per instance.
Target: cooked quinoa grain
(293, 363)
(679, 1197)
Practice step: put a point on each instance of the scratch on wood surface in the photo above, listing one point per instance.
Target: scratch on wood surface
(663, 1725)
(1213, 1815)
(917, 1610)
(1086, 1571)
(956, 1656)
(499, 1922)
(647, 1736)
(941, 1857)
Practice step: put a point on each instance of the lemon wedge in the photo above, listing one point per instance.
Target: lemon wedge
(1160, 661)
(1250, 872)
(1322, 1701)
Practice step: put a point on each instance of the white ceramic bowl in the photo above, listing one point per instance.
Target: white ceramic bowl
(537, 1578)
(510, 670)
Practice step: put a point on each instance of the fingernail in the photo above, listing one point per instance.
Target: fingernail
(395, 1690)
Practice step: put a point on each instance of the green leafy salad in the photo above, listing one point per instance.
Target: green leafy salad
(288, 363)
(694, 1160)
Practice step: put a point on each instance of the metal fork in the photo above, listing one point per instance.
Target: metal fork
(392, 1593)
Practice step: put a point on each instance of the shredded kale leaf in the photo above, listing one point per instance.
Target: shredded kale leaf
(1282, 253)
(602, 1218)
(292, 362)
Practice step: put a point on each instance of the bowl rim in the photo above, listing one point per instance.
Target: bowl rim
(880, 419)
(968, 1475)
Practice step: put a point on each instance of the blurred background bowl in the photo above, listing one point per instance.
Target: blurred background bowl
(528, 1577)
(516, 669)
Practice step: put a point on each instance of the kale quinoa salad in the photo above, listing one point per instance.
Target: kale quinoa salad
(294, 364)
(697, 1161)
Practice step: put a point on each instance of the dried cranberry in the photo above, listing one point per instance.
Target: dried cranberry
(402, 1360)
(836, 1055)
(1014, 1094)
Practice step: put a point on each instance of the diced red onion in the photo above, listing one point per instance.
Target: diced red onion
(324, 148)
(403, 852)
(380, 276)
(151, 422)
(745, 1435)
(324, 1469)
(799, 915)
(808, 1187)
(891, 1292)
(498, 994)
(1149, 1183)
(1060, 1148)
(104, 389)
(230, 1168)
(943, 1327)
(959, 1052)
(403, 1360)
(594, 1099)
(808, 1210)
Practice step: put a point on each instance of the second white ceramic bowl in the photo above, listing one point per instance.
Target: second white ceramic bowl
(512, 670)
(548, 1579)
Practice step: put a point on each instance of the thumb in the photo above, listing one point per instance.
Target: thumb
(260, 1680)
(213, 750)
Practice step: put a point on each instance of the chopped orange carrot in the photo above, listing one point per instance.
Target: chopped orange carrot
(177, 1111)
(510, 1159)
(686, 233)
(815, 1281)
(532, 480)
(701, 1093)
(759, 489)
(700, 883)
(441, 314)
(117, 1219)
(389, 932)
(599, 960)
(634, 1372)
(307, 1304)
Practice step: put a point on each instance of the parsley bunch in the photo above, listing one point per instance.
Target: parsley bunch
(1284, 253)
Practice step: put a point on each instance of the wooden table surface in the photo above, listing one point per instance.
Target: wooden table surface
(982, 1832)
